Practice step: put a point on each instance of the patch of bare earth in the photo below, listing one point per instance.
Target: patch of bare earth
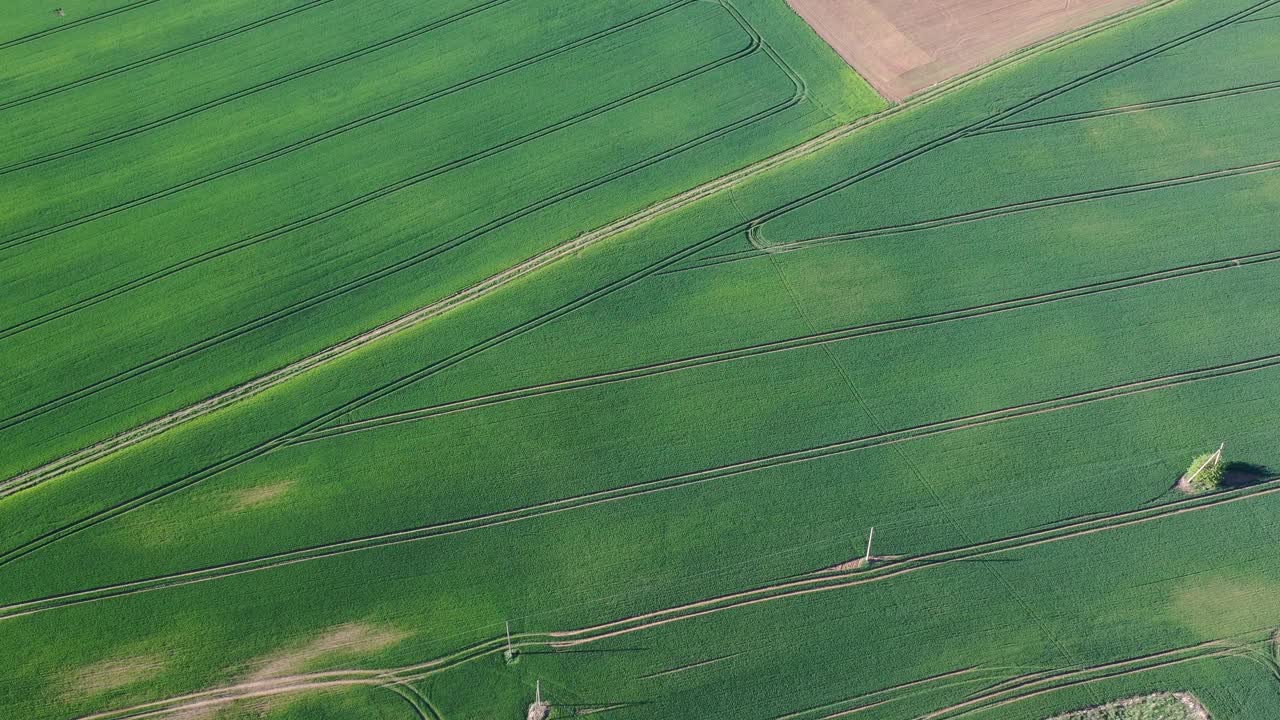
(860, 563)
(346, 639)
(256, 496)
(279, 670)
(112, 674)
(904, 46)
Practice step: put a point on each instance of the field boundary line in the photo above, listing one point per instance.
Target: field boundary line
(97, 451)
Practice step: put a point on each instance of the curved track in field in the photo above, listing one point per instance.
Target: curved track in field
(795, 343)
(752, 227)
(73, 24)
(158, 57)
(763, 248)
(88, 455)
(246, 92)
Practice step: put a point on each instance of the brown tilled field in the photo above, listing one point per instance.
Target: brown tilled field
(904, 46)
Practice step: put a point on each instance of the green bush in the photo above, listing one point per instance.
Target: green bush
(1210, 478)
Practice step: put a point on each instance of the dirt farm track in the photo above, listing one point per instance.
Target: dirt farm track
(904, 46)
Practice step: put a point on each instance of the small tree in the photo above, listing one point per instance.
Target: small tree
(1205, 472)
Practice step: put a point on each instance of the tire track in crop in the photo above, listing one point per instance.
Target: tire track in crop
(795, 343)
(320, 137)
(75, 23)
(1132, 108)
(777, 591)
(846, 579)
(763, 248)
(365, 280)
(875, 698)
(1261, 19)
(405, 675)
(688, 666)
(246, 92)
(402, 676)
(683, 480)
(57, 468)
(165, 55)
(83, 457)
(1073, 677)
(876, 169)
(416, 700)
(90, 454)
(386, 190)
(306, 304)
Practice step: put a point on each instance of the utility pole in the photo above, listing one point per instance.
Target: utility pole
(508, 637)
(866, 560)
(537, 693)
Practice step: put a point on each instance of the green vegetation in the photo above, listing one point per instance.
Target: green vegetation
(654, 459)
(203, 197)
(1205, 473)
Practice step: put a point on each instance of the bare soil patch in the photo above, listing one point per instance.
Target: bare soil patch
(112, 674)
(904, 46)
(347, 639)
(260, 495)
(860, 563)
(282, 667)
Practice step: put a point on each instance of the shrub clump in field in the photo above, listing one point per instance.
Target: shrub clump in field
(1204, 474)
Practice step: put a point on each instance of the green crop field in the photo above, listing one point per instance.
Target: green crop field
(206, 196)
(995, 323)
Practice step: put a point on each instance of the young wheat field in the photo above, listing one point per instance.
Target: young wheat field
(417, 360)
